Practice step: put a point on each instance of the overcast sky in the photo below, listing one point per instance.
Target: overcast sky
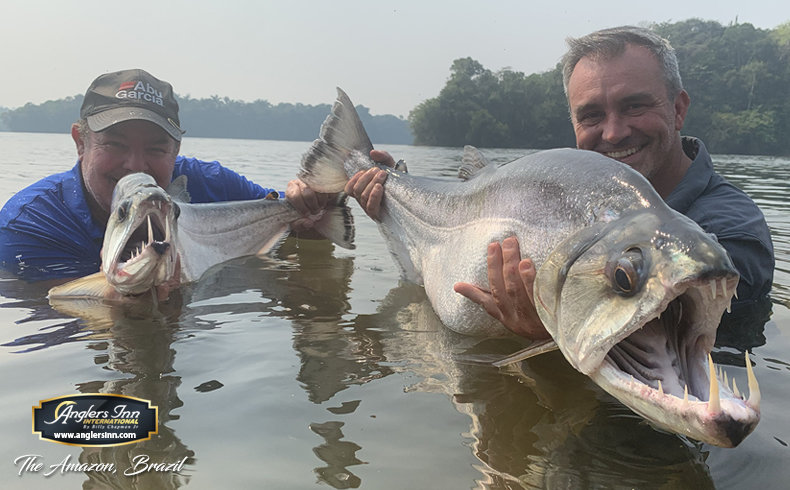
(387, 55)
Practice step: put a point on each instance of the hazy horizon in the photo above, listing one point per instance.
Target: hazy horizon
(387, 57)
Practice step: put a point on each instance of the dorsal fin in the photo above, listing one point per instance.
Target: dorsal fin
(471, 162)
(178, 189)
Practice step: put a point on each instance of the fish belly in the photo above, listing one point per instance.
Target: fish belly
(459, 255)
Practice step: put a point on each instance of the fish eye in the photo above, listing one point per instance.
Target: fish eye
(123, 210)
(624, 276)
(627, 272)
(176, 210)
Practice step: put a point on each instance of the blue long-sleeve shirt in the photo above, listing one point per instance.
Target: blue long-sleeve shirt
(47, 231)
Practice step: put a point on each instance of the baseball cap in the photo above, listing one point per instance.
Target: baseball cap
(131, 94)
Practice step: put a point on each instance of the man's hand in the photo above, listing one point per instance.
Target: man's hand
(306, 201)
(367, 186)
(511, 299)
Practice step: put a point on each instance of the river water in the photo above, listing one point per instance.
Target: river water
(317, 367)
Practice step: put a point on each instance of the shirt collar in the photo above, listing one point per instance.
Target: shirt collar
(696, 179)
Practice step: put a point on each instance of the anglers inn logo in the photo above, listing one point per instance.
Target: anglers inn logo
(140, 91)
(95, 420)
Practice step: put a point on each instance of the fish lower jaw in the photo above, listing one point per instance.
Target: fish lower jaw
(140, 273)
(724, 419)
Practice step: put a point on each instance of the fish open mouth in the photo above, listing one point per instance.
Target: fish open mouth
(663, 370)
(153, 233)
(141, 255)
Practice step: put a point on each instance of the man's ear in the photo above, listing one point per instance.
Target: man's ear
(682, 102)
(77, 137)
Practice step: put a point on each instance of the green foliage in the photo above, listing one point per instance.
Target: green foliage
(505, 109)
(747, 132)
(219, 118)
(738, 78)
(53, 116)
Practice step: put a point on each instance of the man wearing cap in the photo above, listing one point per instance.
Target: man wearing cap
(128, 123)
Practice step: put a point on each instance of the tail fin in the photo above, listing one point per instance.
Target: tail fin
(343, 148)
(337, 224)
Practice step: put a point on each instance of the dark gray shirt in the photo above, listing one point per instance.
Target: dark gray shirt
(726, 211)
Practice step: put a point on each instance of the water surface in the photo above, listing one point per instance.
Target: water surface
(317, 367)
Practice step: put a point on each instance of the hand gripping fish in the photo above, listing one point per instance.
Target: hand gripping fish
(630, 291)
(149, 229)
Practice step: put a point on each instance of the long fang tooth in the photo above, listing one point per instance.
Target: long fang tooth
(150, 231)
(726, 381)
(660, 388)
(167, 230)
(713, 399)
(735, 389)
(735, 293)
(729, 306)
(754, 388)
(724, 286)
(686, 393)
(713, 288)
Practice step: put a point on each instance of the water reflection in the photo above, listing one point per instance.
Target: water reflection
(134, 342)
(337, 454)
(141, 350)
(307, 285)
(303, 283)
(538, 425)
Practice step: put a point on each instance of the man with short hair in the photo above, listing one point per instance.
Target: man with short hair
(128, 123)
(626, 101)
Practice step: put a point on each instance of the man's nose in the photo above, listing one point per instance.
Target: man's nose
(615, 129)
(135, 161)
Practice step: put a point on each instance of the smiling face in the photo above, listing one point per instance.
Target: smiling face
(620, 107)
(122, 149)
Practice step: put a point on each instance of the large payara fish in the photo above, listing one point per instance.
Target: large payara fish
(148, 230)
(631, 291)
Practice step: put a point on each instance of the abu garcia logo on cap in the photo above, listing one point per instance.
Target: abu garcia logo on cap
(140, 91)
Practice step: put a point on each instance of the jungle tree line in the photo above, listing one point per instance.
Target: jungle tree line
(738, 78)
(218, 117)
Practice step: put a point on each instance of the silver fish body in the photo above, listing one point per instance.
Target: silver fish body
(611, 257)
(149, 230)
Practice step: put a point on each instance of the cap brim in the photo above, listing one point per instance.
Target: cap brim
(105, 119)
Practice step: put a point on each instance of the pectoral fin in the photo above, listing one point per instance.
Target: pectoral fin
(537, 348)
(92, 286)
